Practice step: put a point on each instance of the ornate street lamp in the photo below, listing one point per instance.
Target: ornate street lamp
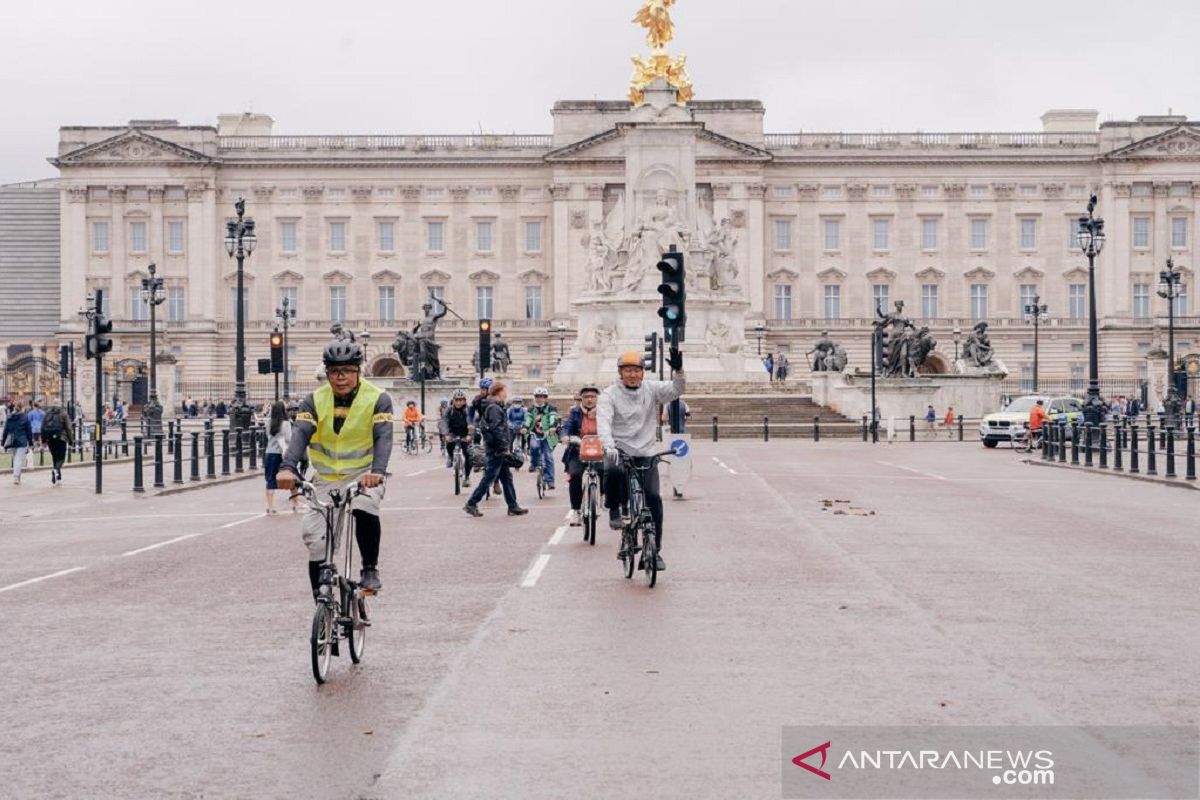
(759, 330)
(1169, 288)
(1035, 314)
(285, 318)
(153, 295)
(957, 337)
(561, 332)
(1091, 242)
(239, 244)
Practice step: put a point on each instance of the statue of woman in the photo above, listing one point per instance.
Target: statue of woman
(658, 231)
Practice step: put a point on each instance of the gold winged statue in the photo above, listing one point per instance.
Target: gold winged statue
(655, 17)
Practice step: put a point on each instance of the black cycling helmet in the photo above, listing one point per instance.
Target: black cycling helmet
(343, 353)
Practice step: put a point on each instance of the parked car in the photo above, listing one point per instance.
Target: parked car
(1013, 419)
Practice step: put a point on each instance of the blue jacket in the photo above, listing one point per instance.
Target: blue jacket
(516, 417)
(35, 419)
(17, 426)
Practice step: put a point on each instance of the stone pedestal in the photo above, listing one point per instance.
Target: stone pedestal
(850, 394)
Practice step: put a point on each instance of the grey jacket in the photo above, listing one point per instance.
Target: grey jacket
(626, 418)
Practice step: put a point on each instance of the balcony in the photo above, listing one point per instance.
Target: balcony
(946, 142)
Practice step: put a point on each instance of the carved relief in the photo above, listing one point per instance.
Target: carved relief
(508, 193)
(411, 191)
(361, 193)
(1162, 189)
(559, 191)
(314, 192)
(954, 191)
(263, 193)
(195, 191)
(738, 217)
(1122, 190)
(117, 194)
(1054, 190)
(721, 191)
(77, 194)
(578, 219)
(856, 191)
(809, 191)
(756, 191)
(905, 191)
(595, 191)
(460, 193)
(1004, 191)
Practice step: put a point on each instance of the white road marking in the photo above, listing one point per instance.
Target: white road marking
(535, 572)
(58, 574)
(163, 544)
(237, 522)
(183, 515)
(558, 535)
(422, 472)
(724, 466)
(916, 471)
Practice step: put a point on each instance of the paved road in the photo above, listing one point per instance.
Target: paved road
(980, 591)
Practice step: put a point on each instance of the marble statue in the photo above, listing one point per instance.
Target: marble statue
(723, 270)
(908, 348)
(720, 338)
(501, 357)
(977, 351)
(600, 338)
(601, 253)
(657, 231)
(827, 355)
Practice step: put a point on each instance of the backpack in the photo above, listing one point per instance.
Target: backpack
(52, 425)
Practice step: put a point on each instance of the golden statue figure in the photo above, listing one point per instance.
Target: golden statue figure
(655, 17)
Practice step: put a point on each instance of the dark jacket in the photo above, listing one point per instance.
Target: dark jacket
(17, 426)
(457, 421)
(497, 436)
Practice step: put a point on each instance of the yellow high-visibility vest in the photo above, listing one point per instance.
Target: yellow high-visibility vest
(339, 456)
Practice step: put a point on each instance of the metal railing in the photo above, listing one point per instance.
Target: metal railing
(1124, 446)
(417, 143)
(930, 141)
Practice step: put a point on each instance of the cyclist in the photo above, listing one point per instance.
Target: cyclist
(1037, 418)
(412, 418)
(543, 422)
(458, 431)
(625, 422)
(344, 429)
(476, 406)
(581, 422)
(443, 404)
(516, 417)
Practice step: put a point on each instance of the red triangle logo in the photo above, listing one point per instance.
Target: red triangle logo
(824, 751)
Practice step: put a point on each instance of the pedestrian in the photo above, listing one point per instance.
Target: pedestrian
(17, 437)
(497, 438)
(222, 409)
(949, 422)
(36, 416)
(769, 366)
(279, 432)
(1161, 411)
(930, 420)
(1189, 411)
(58, 436)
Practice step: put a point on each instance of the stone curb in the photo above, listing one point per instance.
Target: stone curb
(1178, 483)
(203, 483)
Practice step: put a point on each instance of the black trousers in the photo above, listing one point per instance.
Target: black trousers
(58, 453)
(453, 443)
(575, 470)
(616, 490)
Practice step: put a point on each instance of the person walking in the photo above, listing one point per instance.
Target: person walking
(17, 437)
(36, 416)
(58, 435)
(930, 420)
(279, 433)
(769, 366)
(949, 422)
(497, 438)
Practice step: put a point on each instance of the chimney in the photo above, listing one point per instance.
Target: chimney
(1070, 120)
(245, 124)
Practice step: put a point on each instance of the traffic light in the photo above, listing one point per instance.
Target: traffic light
(276, 352)
(485, 345)
(98, 340)
(674, 295)
(64, 361)
(650, 357)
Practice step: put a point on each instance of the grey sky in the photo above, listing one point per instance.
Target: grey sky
(454, 66)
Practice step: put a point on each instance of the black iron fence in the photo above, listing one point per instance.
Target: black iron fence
(1127, 445)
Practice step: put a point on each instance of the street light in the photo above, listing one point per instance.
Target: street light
(1170, 287)
(1091, 242)
(1035, 314)
(561, 332)
(153, 295)
(759, 330)
(239, 244)
(285, 317)
(957, 336)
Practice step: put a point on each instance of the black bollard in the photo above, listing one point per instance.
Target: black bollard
(960, 427)
(209, 452)
(124, 438)
(252, 437)
(1062, 442)
(225, 452)
(237, 452)
(1075, 443)
(1118, 441)
(1103, 446)
(766, 429)
(912, 427)
(177, 457)
(816, 429)
(1151, 456)
(1170, 440)
(195, 456)
(158, 461)
(1087, 444)
(138, 480)
(864, 427)
(1191, 455)
(716, 433)
(1045, 443)
(171, 436)
(1134, 455)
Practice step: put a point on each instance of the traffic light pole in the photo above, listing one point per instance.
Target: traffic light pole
(72, 357)
(874, 370)
(98, 435)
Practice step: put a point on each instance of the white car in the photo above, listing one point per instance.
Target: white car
(1013, 420)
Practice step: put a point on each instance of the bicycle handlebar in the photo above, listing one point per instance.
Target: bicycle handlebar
(308, 491)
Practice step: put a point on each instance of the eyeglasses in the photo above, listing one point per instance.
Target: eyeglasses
(342, 372)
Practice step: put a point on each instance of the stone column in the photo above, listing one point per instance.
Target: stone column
(1114, 261)
(755, 234)
(76, 251)
(118, 248)
(155, 236)
(560, 268)
(200, 284)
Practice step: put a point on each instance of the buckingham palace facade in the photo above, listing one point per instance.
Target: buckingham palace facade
(363, 229)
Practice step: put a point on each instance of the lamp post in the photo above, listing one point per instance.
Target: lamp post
(285, 318)
(957, 336)
(759, 330)
(561, 332)
(1091, 242)
(239, 244)
(1169, 288)
(1035, 314)
(153, 295)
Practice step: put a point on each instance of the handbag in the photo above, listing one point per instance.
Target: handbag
(591, 449)
(514, 461)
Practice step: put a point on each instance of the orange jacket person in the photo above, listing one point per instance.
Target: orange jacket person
(1037, 416)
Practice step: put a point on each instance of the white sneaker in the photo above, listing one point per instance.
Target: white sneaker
(573, 519)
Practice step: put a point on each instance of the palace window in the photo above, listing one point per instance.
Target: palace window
(337, 303)
(833, 302)
(436, 236)
(137, 237)
(882, 230)
(290, 293)
(1028, 233)
(139, 309)
(483, 302)
(833, 234)
(533, 302)
(929, 301)
(1141, 301)
(1179, 232)
(880, 293)
(483, 237)
(783, 234)
(387, 303)
(1028, 292)
(175, 237)
(1141, 233)
(929, 234)
(979, 302)
(337, 237)
(783, 302)
(1181, 302)
(176, 308)
(533, 236)
(437, 293)
(979, 234)
(1077, 300)
(287, 237)
(99, 237)
(387, 237)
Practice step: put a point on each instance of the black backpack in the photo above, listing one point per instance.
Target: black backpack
(52, 425)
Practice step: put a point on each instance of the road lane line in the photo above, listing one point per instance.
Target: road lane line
(422, 472)
(558, 535)
(184, 515)
(237, 522)
(163, 544)
(535, 572)
(910, 469)
(31, 581)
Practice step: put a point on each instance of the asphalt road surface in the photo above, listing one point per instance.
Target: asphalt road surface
(158, 648)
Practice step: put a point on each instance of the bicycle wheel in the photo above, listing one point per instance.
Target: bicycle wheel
(356, 630)
(628, 544)
(541, 484)
(458, 474)
(589, 524)
(649, 554)
(321, 641)
(427, 445)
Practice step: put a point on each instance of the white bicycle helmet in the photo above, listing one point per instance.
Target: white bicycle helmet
(541, 391)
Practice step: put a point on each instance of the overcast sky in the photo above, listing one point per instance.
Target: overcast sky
(457, 66)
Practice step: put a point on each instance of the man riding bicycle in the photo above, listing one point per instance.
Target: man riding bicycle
(516, 417)
(1037, 419)
(625, 421)
(412, 418)
(458, 432)
(581, 422)
(542, 422)
(344, 429)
